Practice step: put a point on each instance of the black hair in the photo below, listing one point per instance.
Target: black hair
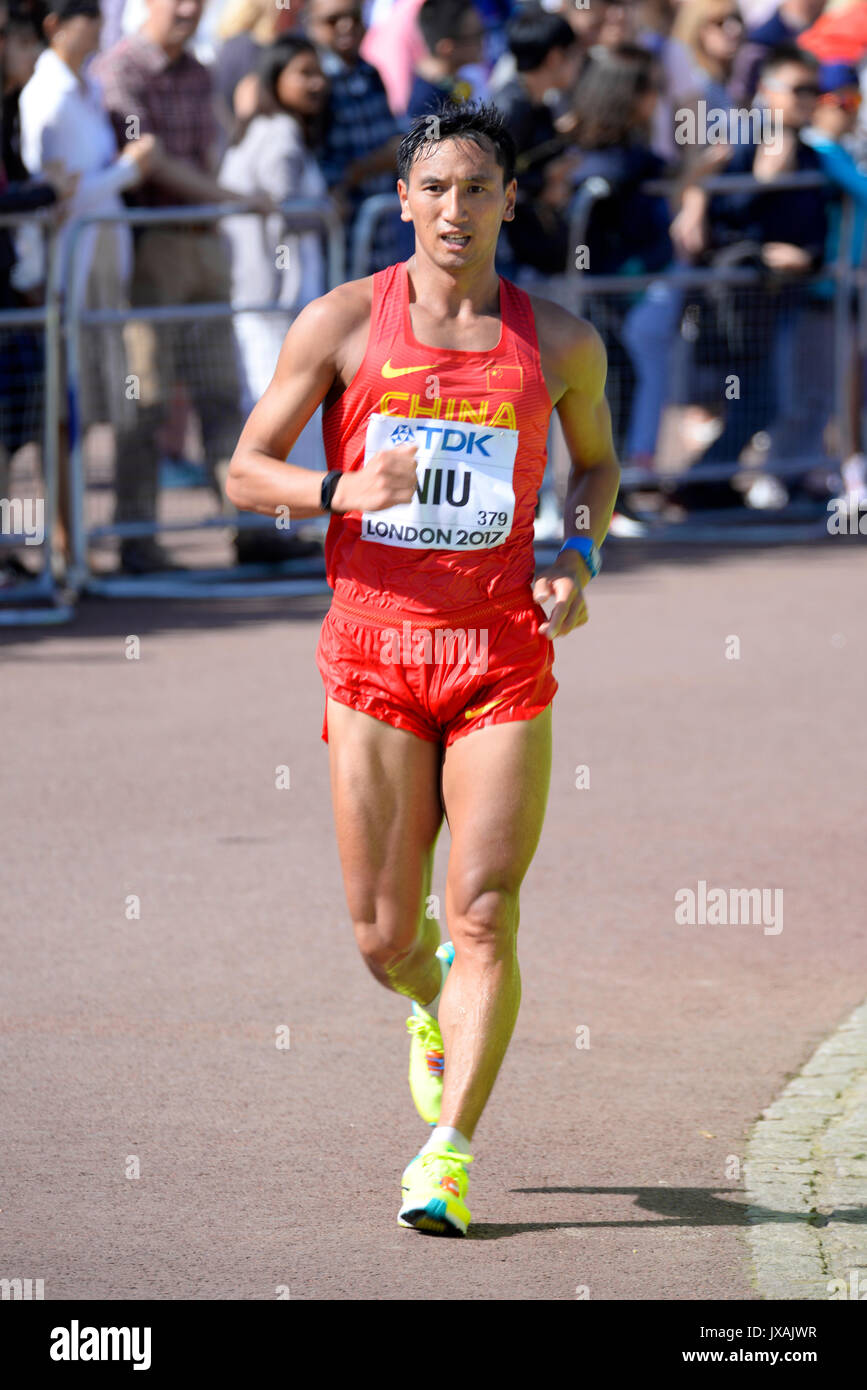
(784, 55)
(441, 19)
(479, 121)
(278, 56)
(272, 61)
(24, 18)
(533, 33)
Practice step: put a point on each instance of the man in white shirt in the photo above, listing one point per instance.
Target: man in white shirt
(63, 120)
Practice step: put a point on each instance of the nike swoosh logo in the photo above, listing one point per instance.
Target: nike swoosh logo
(389, 370)
(471, 713)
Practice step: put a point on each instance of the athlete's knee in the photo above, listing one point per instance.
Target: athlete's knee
(487, 922)
(385, 941)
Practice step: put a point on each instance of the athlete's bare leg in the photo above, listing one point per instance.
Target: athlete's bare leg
(385, 788)
(495, 786)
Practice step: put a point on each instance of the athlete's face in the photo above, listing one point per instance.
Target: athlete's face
(456, 202)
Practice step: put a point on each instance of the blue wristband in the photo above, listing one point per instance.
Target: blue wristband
(587, 549)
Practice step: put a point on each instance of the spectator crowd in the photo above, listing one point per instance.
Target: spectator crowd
(620, 111)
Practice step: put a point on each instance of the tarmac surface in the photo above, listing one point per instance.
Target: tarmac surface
(160, 1139)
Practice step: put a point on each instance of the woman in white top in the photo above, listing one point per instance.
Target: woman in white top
(63, 119)
(272, 154)
(64, 125)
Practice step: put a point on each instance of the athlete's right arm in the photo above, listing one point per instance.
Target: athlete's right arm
(312, 358)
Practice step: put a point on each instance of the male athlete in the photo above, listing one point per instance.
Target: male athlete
(437, 379)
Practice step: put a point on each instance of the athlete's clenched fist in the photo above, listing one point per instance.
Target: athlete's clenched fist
(387, 479)
(561, 583)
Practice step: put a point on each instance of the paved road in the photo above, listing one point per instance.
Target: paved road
(150, 1045)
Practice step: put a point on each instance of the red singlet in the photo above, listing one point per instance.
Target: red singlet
(482, 419)
(461, 551)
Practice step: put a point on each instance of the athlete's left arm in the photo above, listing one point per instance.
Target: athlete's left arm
(576, 366)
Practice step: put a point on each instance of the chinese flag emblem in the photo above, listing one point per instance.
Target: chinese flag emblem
(505, 379)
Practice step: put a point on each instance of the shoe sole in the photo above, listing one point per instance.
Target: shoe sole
(433, 1219)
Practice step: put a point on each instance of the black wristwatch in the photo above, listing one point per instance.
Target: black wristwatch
(329, 483)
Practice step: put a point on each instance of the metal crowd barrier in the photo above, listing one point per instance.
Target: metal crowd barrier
(205, 333)
(770, 306)
(30, 363)
(371, 212)
(72, 326)
(603, 299)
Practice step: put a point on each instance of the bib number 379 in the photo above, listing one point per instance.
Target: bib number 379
(464, 497)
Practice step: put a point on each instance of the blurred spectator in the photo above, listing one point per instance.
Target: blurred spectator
(618, 23)
(788, 21)
(154, 86)
(840, 36)
(648, 24)
(112, 23)
(453, 32)
(245, 29)
(23, 197)
(64, 122)
(788, 87)
(581, 22)
(654, 30)
(506, 68)
(63, 119)
(585, 21)
(273, 155)
(614, 102)
(712, 31)
(627, 233)
(496, 15)
(23, 46)
(18, 193)
(783, 234)
(547, 58)
(830, 135)
(394, 45)
(361, 134)
(21, 356)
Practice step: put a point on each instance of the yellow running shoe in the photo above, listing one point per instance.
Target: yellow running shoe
(434, 1189)
(426, 1057)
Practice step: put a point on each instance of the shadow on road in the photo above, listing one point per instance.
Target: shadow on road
(676, 1206)
(100, 617)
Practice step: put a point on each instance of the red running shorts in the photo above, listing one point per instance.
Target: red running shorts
(439, 677)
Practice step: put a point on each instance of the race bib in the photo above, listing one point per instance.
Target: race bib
(464, 497)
